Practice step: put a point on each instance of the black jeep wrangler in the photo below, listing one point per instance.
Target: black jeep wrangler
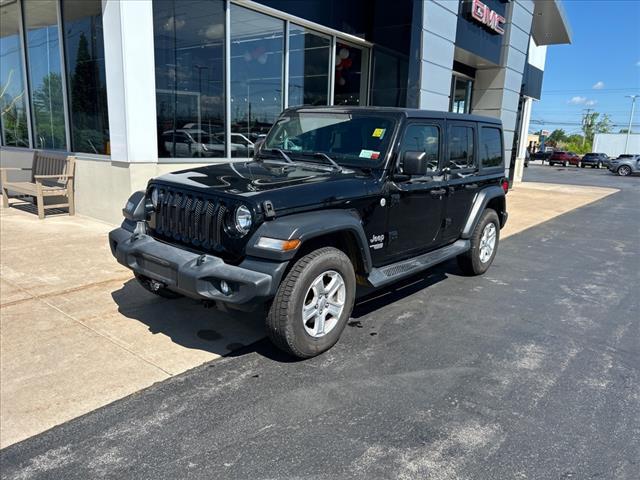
(335, 197)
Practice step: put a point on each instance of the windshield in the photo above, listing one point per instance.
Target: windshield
(357, 139)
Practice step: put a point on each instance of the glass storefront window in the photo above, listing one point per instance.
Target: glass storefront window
(189, 58)
(13, 96)
(87, 89)
(389, 79)
(257, 44)
(350, 75)
(308, 67)
(45, 77)
(461, 89)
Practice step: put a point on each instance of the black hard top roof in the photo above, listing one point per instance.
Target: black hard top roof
(406, 112)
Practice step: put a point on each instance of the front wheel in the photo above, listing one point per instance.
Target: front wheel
(624, 170)
(484, 245)
(565, 164)
(313, 303)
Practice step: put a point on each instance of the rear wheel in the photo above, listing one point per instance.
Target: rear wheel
(484, 245)
(624, 170)
(598, 165)
(565, 164)
(313, 303)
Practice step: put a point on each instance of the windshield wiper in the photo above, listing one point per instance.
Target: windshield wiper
(286, 157)
(327, 157)
(334, 164)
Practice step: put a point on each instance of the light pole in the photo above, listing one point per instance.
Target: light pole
(633, 106)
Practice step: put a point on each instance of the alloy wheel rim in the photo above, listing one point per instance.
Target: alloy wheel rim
(324, 303)
(624, 170)
(487, 242)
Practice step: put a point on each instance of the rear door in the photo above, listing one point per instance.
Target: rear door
(461, 165)
(415, 213)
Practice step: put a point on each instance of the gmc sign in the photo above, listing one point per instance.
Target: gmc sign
(487, 17)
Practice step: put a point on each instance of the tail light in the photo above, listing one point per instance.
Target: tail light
(505, 185)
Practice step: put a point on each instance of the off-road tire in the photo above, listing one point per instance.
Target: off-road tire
(284, 320)
(469, 262)
(163, 292)
(624, 170)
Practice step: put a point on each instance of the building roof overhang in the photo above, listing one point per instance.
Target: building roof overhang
(550, 25)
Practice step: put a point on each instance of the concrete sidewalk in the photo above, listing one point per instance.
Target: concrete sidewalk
(77, 332)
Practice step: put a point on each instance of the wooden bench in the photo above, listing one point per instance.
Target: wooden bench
(51, 176)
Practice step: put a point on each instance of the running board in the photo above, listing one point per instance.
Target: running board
(391, 273)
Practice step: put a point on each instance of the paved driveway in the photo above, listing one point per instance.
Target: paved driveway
(531, 371)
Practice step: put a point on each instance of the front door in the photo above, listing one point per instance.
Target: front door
(416, 203)
(461, 163)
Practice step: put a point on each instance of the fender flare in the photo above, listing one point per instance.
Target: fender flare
(306, 226)
(479, 204)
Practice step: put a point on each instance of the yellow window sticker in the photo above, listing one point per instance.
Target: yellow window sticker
(378, 133)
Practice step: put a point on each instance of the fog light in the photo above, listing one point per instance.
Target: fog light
(224, 287)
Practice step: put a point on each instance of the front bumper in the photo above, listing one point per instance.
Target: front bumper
(194, 275)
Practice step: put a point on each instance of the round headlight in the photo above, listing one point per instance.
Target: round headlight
(154, 197)
(243, 219)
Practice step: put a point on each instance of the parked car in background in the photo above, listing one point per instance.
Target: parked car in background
(541, 155)
(625, 165)
(196, 143)
(595, 160)
(560, 157)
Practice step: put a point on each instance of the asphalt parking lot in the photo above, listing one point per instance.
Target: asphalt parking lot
(530, 371)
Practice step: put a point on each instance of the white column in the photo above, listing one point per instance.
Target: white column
(523, 139)
(497, 90)
(130, 74)
(440, 23)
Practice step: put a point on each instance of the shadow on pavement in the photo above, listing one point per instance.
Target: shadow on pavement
(29, 205)
(189, 324)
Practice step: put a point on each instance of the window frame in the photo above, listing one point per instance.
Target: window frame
(446, 158)
(502, 164)
(468, 94)
(441, 150)
(63, 77)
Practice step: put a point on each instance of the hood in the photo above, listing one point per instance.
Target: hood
(285, 185)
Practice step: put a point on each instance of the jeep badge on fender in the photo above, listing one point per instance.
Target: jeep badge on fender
(305, 227)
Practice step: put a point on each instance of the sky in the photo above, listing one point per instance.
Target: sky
(596, 71)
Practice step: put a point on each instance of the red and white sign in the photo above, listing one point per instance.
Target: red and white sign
(489, 18)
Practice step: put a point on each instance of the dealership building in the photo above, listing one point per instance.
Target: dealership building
(138, 88)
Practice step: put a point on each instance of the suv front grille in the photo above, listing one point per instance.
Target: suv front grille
(189, 219)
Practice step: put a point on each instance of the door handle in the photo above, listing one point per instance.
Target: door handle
(437, 192)
(471, 186)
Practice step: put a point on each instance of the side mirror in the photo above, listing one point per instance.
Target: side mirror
(414, 163)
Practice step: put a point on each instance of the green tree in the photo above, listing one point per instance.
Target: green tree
(593, 123)
(87, 128)
(82, 84)
(575, 138)
(557, 136)
(49, 112)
